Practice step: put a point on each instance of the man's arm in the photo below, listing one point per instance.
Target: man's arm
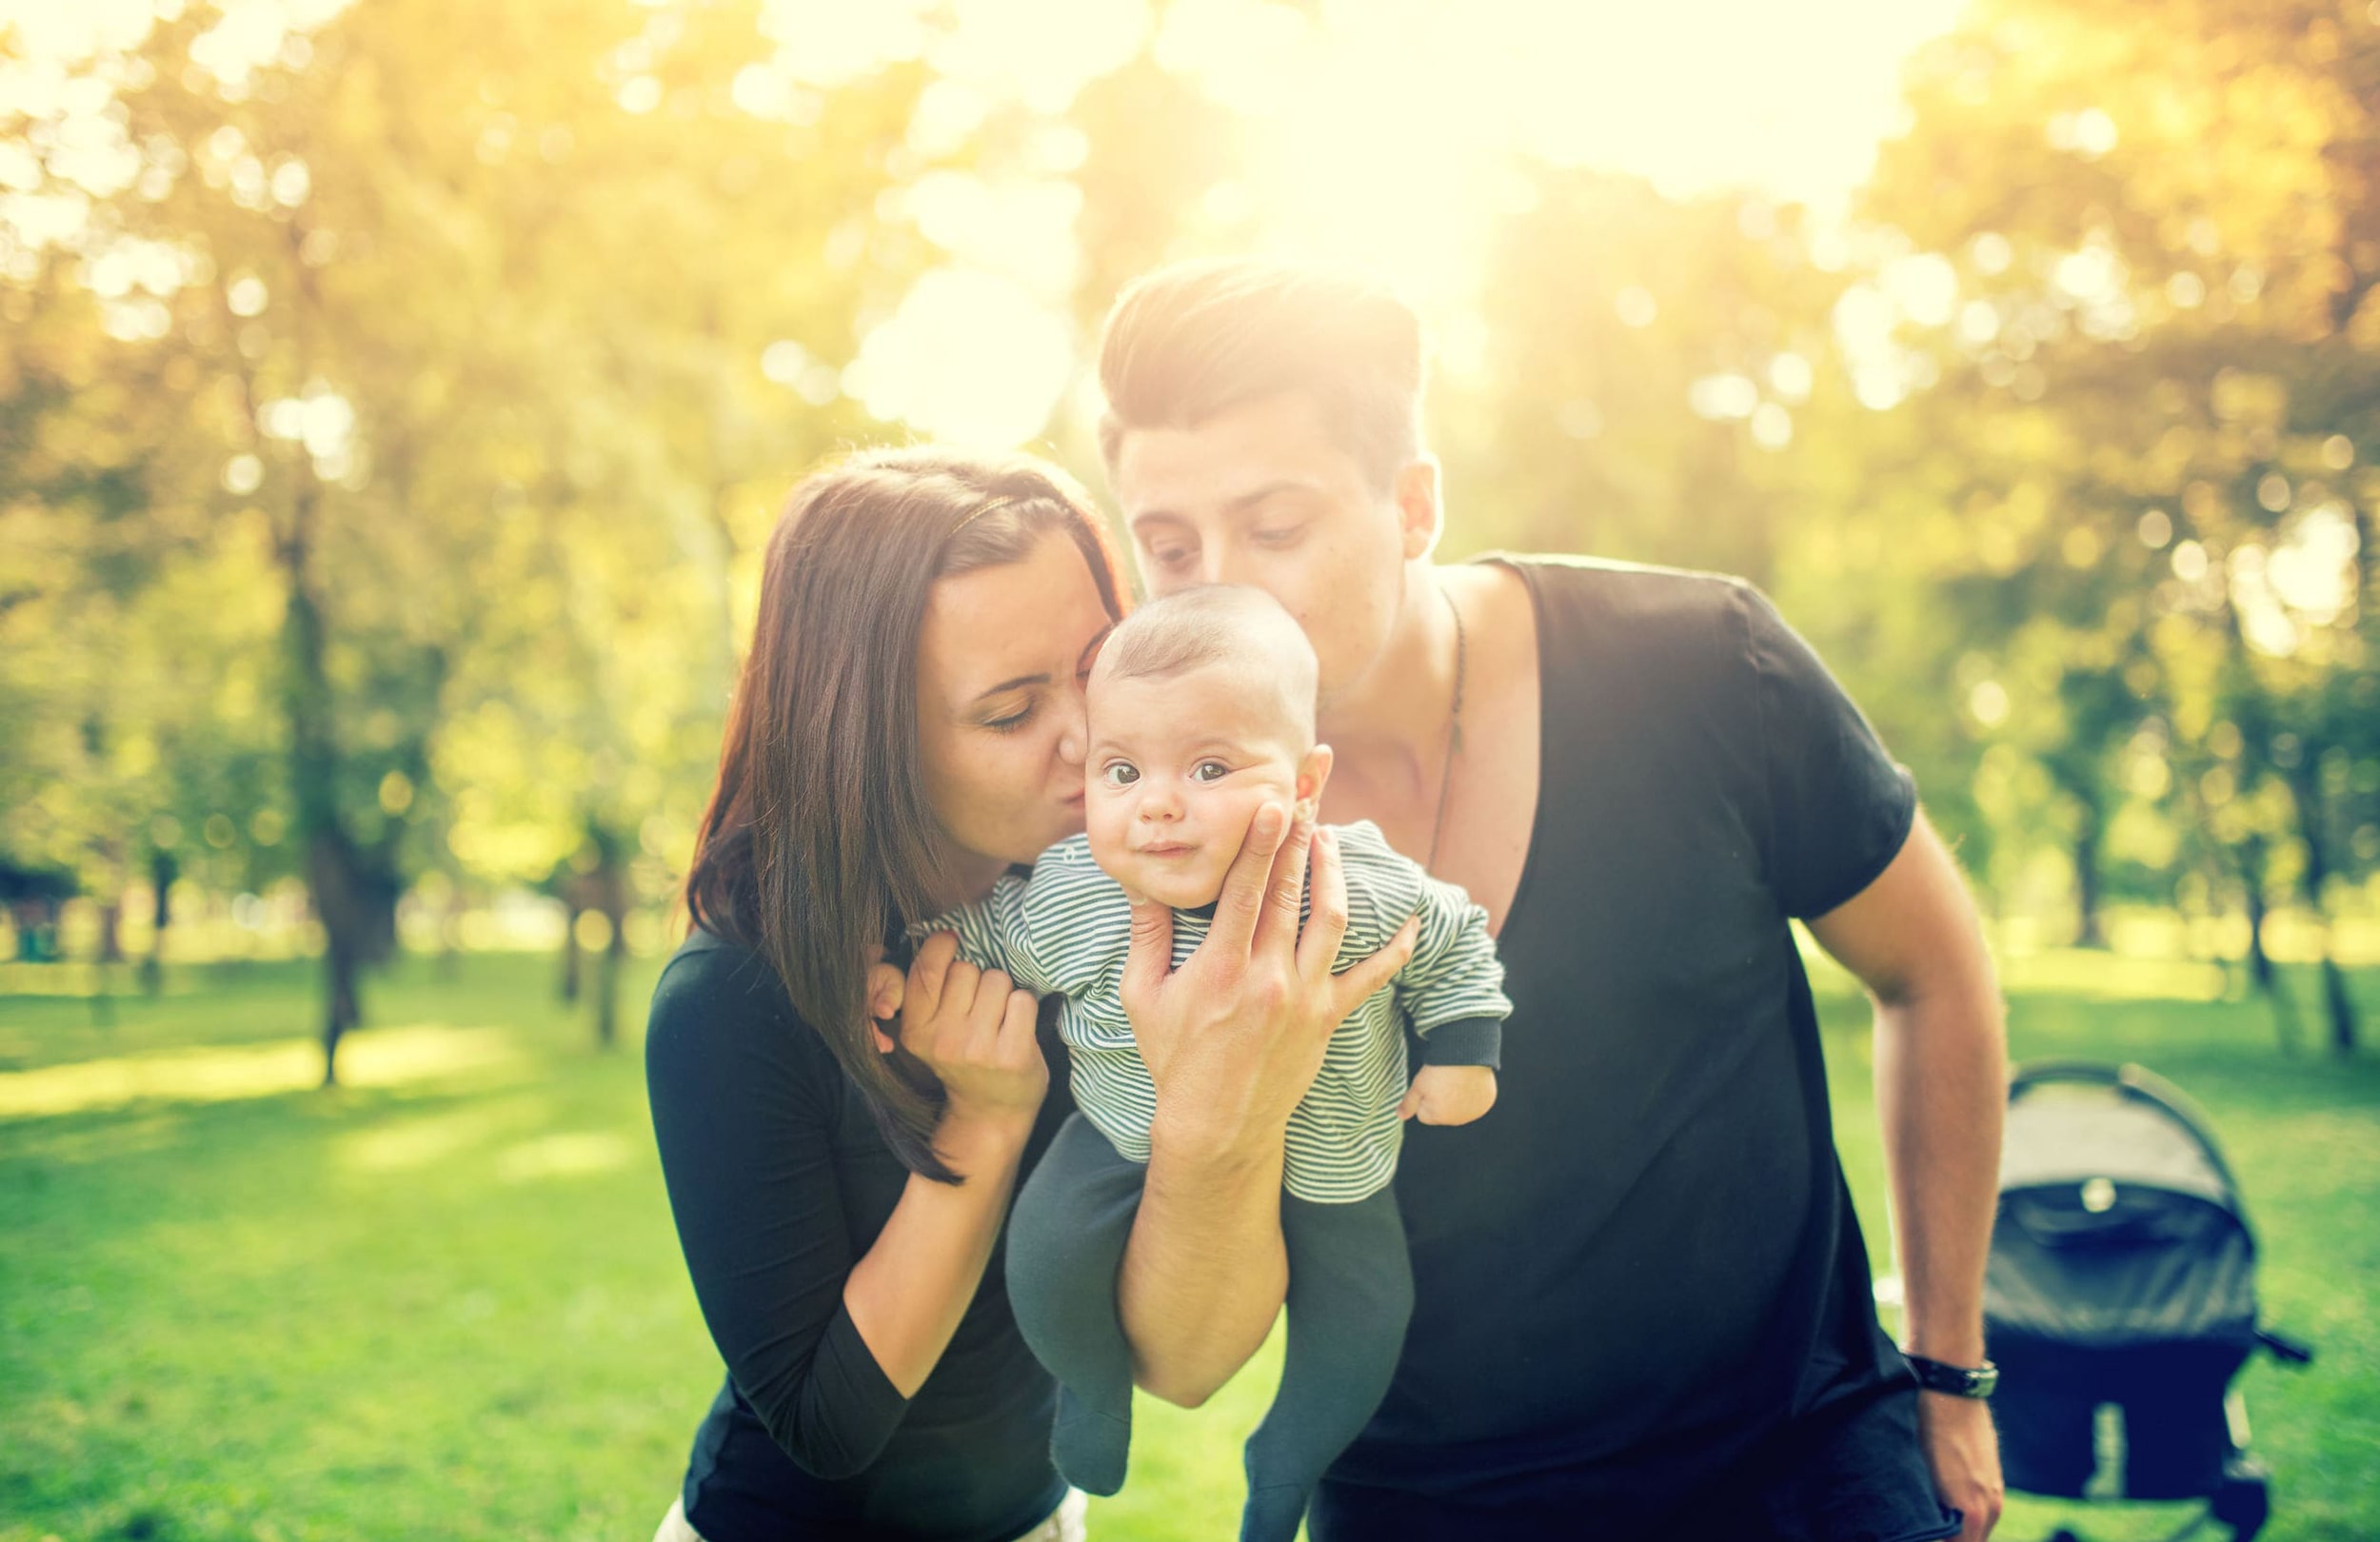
(1233, 1040)
(1206, 1271)
(1941, 1083)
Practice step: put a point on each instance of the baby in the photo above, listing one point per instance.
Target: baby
(1201, 711)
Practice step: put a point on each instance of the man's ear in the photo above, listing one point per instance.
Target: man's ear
(1313, 772)
(1414, 491)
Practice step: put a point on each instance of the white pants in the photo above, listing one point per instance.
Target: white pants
(1064, 1523)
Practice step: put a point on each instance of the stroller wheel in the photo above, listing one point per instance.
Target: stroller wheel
(2244, 1501)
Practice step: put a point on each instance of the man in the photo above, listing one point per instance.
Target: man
(1643, 1299)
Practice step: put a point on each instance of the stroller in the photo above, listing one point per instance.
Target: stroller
(2120, 1299)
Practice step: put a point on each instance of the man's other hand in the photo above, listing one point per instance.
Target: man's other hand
(1964, 1452)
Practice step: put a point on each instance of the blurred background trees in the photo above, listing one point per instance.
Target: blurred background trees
(395, 398)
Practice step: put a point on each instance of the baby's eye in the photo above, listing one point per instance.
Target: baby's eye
(1209, 771)
(1122, 773)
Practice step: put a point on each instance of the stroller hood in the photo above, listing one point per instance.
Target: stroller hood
(2068, 1135)
(2119, 1225)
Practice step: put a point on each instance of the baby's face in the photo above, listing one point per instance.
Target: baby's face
(1177, 768)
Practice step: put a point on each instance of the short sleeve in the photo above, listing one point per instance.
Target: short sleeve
(995, 932)
(742, 1110)
(1838, 806)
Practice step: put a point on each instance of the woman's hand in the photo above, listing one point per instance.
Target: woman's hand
(1234, 1038)
(975, 1033)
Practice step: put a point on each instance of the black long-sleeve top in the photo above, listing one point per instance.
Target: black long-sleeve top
(780, 1183)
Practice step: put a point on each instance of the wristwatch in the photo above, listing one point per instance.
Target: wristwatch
(1959, 1380)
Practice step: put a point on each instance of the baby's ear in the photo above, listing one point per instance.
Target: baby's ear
(1312, 773)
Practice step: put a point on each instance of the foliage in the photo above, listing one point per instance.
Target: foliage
(381, 472)
(2155, 247)
(396, 398)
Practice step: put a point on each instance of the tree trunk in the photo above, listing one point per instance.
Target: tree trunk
(571, 953)
(607, 991)
(2261, 975)
(162, 868)
(450, 935)
(332, 879)
(2345, 1026)
(108, 953)
(2088, 933)
(2306, 795)
(333, 868)
(340, 1012)
(611, 898)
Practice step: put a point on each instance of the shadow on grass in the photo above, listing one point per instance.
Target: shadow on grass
(446, 1304)
(452, 1305)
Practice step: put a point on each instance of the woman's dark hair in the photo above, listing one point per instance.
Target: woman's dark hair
(820, 842)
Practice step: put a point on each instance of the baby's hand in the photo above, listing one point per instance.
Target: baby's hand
(1449, 1093)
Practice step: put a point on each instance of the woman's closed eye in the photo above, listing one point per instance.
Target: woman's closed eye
(1278, 536)
(1010, 722)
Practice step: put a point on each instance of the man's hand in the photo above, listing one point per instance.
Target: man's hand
(1448, 1094)
(1964, 1452)
(1233, 1039)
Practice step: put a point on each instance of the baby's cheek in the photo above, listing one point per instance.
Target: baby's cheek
(1214, 865)
(1110, 850)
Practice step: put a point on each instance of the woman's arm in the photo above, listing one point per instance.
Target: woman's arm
(826, 1346)
(909, 1289)
(1232, 1040)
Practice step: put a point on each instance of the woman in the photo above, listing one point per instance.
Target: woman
(908, 723)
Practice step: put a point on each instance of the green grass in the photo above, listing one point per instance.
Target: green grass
(445, 1301)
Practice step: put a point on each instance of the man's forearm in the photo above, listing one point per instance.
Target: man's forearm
(1941, 1067)
(1204, 1272)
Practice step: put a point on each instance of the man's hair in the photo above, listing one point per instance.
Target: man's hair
(1212, 624)
(1196, 339)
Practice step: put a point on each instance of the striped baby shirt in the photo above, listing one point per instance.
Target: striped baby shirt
(1064, 928)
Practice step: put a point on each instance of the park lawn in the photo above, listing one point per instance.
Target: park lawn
(444, 1301)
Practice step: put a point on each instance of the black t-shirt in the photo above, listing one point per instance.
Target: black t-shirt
(779, 1182)
(1641, 1275)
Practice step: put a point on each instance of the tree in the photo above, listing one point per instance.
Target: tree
(2173, 285)
(433, 383)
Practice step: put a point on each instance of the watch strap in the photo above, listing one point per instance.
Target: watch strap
(1957, 1380)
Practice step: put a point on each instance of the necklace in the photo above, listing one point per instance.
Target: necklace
(1454, 730)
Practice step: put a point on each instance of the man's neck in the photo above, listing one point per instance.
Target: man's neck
(1387, 729)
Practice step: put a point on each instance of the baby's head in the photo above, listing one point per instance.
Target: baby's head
(1201, 711)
